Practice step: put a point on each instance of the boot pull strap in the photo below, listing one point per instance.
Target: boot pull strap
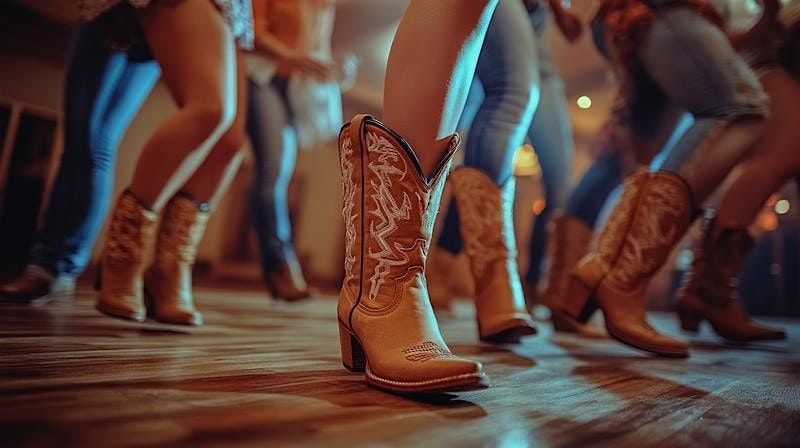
(357, 125)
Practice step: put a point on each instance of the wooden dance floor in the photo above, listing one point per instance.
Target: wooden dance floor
(267, 374)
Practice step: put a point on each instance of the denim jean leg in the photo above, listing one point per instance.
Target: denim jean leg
(104, 90)
(551, 136)
(274, 144)
(596, 185)
(510, 85)
(693, 63)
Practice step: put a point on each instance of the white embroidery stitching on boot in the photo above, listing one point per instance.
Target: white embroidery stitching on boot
(348, 202)
(387, 211)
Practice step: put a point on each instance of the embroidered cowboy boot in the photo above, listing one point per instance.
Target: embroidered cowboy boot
(122, 262)
(649, 221)
(285, 281)
(168, 281)
(708, 289)
(569, 241)
(386, 322)
(487, 226)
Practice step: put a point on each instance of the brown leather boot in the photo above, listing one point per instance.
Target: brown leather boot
(37, 286)
(650, 219)
(168, 281)
(122, 263)
(487, 226)
(386, 322)
(708, 290)
(569, 242)
(286, 282)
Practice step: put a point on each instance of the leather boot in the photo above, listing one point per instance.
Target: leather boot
(37, 286)
(168, 281)
(439, 272)
(122, 262)
(569, 241)
(286, 282)
(708, 290)
(487, 227)
(650, 219)
(386, 323)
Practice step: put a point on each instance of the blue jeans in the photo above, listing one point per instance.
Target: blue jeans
(104, 90)
(274, 142)
(499, 119)
(589, 196)
(601, 184)
(692, 62)
(551, 137)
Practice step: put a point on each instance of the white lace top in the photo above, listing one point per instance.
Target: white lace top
(238, 14)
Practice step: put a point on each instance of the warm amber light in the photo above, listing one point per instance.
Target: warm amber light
(538, 206)
(584, 102)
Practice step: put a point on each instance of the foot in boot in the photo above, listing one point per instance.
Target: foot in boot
(386, 322)
(486, 215)
(569, 241)
(286, 282)
(651, 217)
(38, 286)
(708, 290)
(168, 282)
(122, 264)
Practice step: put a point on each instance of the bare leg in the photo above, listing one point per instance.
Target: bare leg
(429, 73)
(719, 154)
(775, 159)
(211, 180)
(197, 55)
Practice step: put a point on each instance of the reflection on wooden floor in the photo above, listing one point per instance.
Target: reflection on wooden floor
(267, 374)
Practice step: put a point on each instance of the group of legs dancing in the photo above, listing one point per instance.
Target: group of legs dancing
(671, 58)
(106, 85)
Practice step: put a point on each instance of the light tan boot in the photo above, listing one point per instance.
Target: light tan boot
(122, 263)
(386, 323)
(168, 281)
(569, 242)
(708, 290)
(650, 219)
(487, 226)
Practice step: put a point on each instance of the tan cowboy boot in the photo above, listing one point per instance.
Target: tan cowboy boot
(708, 290)
(650, 219)
(487, 226)
(569, 242)
(168, 281)
(386, 322)
(122, 263)
(286, 282)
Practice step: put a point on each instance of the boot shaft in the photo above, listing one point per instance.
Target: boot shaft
(389, 208)
(129, 234)
(717, 259)
(660, 220)
(486, 217)
(610, 239)
(182, 227)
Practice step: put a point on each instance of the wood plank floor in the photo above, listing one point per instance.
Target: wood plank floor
(268, 374)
